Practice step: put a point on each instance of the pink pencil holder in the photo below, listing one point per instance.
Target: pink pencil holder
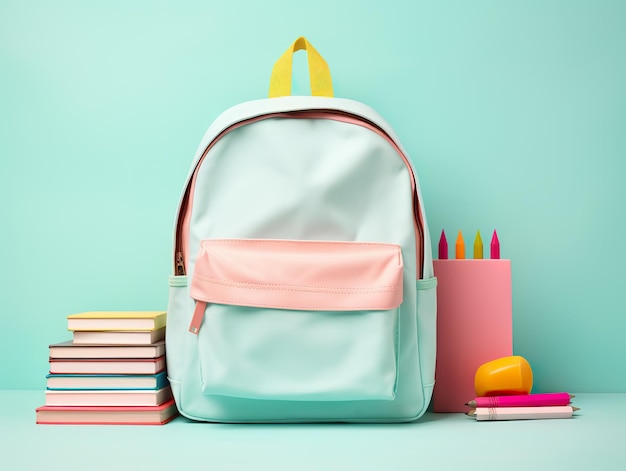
(474, 325)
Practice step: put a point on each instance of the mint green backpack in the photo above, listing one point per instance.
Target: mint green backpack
(303, 286)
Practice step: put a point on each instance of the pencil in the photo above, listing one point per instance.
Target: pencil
(460, 246)
(478, 246)
(495, 245)
(522, 400)
(443, 246)
(522, 413)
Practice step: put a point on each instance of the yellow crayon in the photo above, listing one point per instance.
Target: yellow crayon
(460, 246)
(478, 246)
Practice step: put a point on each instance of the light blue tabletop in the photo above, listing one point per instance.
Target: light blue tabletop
(594, 440)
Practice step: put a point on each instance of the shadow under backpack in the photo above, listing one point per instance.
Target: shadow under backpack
(303, 287)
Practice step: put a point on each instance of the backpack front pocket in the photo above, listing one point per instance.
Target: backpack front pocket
(297, 320)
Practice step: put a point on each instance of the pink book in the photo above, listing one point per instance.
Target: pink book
(474, 325)
(110, 397)
(70, 349)
(103, 415)
(108, 366)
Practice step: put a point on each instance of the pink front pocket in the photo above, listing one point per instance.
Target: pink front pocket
(298, 320)
(297, 274)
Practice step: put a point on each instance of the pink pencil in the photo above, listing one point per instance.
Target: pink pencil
(522, 413)
(523, 400)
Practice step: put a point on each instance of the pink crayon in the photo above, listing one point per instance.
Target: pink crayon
(523, 400)
(443, 246)
(495, 246)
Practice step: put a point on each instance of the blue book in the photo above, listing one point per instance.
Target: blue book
(106, 382)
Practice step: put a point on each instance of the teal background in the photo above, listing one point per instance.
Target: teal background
(513, 112)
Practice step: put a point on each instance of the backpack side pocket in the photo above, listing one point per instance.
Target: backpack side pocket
(179, 305)
(427, 331)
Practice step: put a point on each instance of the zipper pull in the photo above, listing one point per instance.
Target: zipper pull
(198, 316)
(180, 264)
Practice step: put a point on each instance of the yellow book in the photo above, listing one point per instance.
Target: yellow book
(116, 320)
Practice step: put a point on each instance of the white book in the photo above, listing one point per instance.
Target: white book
(82, 337)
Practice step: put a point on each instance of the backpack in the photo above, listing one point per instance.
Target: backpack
(303, 287)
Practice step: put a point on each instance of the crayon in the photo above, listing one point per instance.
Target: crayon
(443, 246)
(478, 246)
(460, 247)
(522, 400)
(522, 413)
(495, 245)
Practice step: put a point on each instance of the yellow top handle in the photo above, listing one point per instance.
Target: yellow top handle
(319, 73)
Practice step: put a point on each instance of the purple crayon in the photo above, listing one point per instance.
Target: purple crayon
(443, 246)
(495, 246)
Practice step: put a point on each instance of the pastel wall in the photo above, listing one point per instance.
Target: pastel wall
(513, 112)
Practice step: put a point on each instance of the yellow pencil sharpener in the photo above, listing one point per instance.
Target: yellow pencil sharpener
(504, 377)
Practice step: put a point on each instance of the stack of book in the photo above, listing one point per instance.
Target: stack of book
(522, 407)
(112, 372)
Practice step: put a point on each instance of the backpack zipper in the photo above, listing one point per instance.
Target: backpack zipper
(180, 264)
(182, 225)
